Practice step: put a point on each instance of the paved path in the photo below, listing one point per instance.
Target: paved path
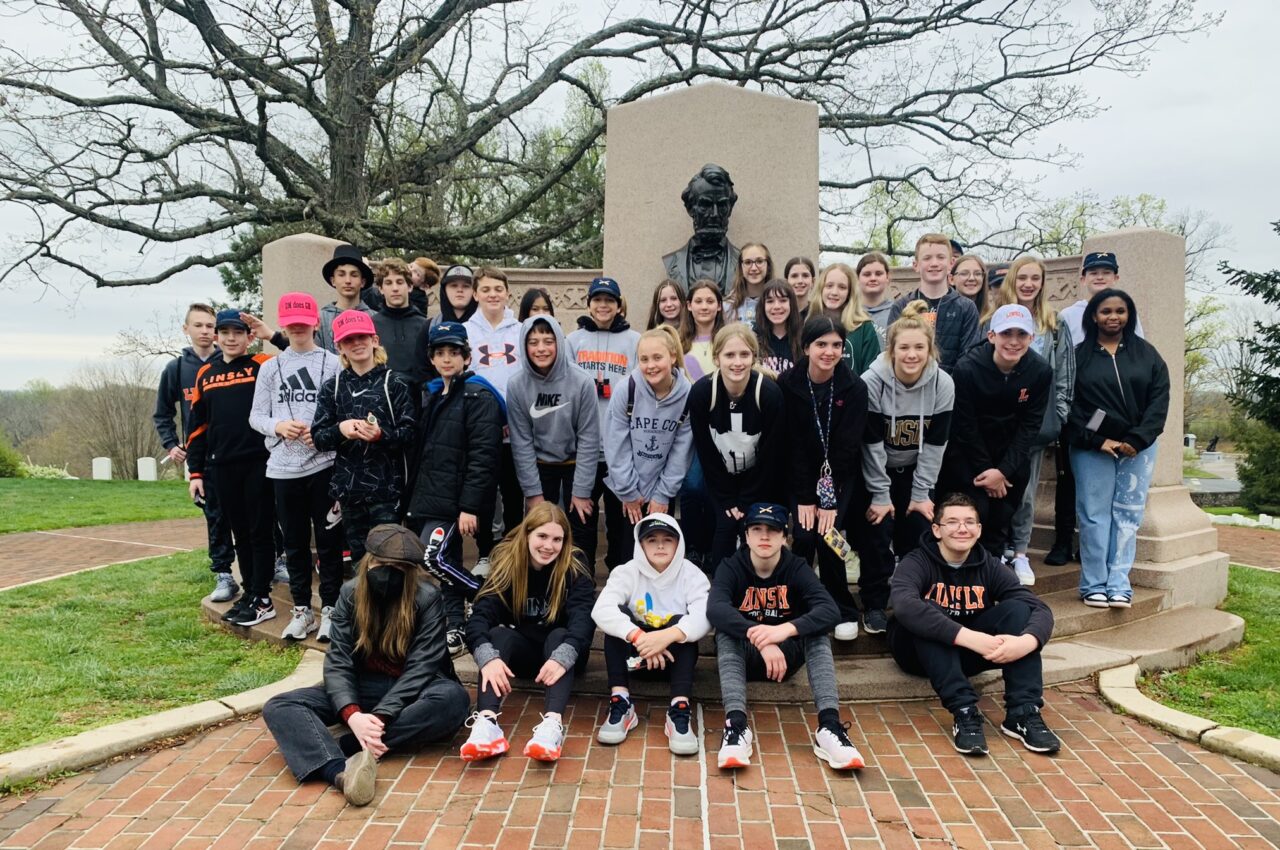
(1118, 784)
(1257, 547)
(41, 555)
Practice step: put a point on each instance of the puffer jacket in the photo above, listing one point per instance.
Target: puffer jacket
(454, 465)
(365, 472)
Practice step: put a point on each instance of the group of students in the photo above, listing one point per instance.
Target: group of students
(478, 404)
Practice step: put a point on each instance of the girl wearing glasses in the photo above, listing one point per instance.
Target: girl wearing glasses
(969, 277)
(754, 268)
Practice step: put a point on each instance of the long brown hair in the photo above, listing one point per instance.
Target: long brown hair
(385, 635)
(764, 328)
(738, 295)
(655, 317)
(688, 328)
(1045, 317)
(510, 563)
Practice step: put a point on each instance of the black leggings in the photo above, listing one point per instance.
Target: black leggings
(523, 654)
(679, 671)
(808, 544)
(248, 505)
(904, 530)
(302, 505)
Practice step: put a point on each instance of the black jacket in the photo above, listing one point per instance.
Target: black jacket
(848, 427)
(490, 610)
(426, 660)
(997, 416)
(933, 600)
(177, 385)
(219, 421)
(399, 331)
(955, 326)
(792, 593)
(365, 472)
(454, 465)
(1131, 389)
(723, 452)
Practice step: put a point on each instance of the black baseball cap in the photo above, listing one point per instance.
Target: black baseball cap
(1100, 260)
(655, 524)
(766, 513)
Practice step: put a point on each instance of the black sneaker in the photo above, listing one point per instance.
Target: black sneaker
(454, 640)
(1027, 726)
(967, 733)
(1059, 554)
(875, 621)
(259, 611)
(241, 608)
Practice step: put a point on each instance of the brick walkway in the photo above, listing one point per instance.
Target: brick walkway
(1257, 547)
(40, 555)
(1117, 784)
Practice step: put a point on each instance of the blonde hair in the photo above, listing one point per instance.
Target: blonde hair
(380, 634)
(911, 319)
(738, 295)
(509, 563)
(1046, 317)
(851, 314)
(742, 331)
(379, 356)
(669, 337)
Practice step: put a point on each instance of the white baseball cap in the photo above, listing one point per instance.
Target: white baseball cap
(1012, 317)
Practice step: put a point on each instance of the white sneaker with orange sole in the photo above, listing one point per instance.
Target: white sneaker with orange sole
(486, 739)
(547, 740)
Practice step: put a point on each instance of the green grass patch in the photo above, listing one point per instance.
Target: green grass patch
(1240, 687)
(1190, 470)
(121, 642)
(1231, 509)
(35, 505)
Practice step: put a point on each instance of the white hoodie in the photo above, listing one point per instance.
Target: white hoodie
(494, 351)
(679, 589)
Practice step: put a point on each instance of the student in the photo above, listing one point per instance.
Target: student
(1024, 285)
(835, 284)
(554, 423)
(738, 420)
(457, 295)
(399, 324)
(959, 611)
(873, 287)
(536, 301)
(1002, 389)
(862, 341)
(366, 415)
(648, 441)
(604, 346)
(777, 323)
(424, 274)
(653, 611)
(1098, 271)
(668, 307)
(349, 275)
(284, 407)
(221, 439)
(799, 273)
(909, 404)
(771, 616)
(969, 277)
(453, 470)
(702, 321)
(755, 266)
(1119, 410)
(177, 385)
(826, 415)
(955, 319)
(387, 675)
(532, 619)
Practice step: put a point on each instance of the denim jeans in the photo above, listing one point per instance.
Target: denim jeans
(1111, 494)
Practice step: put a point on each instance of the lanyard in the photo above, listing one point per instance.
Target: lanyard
(826, 490)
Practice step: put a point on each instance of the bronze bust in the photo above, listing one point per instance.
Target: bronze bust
(709, 200)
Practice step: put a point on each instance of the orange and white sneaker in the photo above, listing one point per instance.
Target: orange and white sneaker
(735, 749)
(486, 739)
(832, 745)
(547, 740)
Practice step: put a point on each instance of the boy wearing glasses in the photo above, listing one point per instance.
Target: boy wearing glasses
(959, 611)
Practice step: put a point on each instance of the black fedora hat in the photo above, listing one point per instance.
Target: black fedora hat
(348, 254)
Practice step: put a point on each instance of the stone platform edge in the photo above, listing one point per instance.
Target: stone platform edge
(95, 746)
(1119, 687)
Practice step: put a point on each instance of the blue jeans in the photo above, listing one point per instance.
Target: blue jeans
(1111, 494)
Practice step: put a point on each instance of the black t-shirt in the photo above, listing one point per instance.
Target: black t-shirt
(536, 603)
(778, 356)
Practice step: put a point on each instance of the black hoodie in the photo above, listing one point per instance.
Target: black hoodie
(740, 598)
(365, 472)
(739, 443)
(1131, 389)
(848, 424)
(934, 600)
(400, 330)
(177, 385)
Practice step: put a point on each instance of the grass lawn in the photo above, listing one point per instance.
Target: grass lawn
(1193, 471)
(36, 505)
(1229, 510)
(121, 642)
(1240, 687)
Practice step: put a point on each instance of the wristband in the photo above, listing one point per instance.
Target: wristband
(635, 633)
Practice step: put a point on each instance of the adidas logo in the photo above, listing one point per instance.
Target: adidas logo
(298, 387)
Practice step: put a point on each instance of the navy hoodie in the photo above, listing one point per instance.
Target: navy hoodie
(177, 385)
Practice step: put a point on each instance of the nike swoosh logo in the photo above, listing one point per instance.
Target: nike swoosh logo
(362, 392)
(539, 412)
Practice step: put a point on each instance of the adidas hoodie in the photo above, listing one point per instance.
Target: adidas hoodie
(605, 355)
(906, 426)
(648, 442)
(635, 589)
(493, 350)
(552, 418)
(287, 388)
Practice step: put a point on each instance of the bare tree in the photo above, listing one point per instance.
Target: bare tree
(108, 410)
(179, 124)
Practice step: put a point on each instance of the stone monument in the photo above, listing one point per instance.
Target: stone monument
(709, 200)
(293, 264)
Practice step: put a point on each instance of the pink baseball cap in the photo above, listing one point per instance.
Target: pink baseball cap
(352, 323)
(298, 308)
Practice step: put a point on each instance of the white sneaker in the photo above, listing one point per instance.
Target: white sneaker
(481, 569)
(735, 748)
(486, 739)
(326, 623)
(620, 720)
(834, 747)
(681, 738)
(547, 740)
(302, 623)
(847, 631)
(1022, 569)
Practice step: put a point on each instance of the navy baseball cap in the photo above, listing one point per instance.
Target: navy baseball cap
(449, 333)
(1100, 260)
(229, 318)
(766, 513)
(995, 275)
(605, 286)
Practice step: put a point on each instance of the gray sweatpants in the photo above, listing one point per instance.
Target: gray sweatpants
(740, 662)
(1024, 517)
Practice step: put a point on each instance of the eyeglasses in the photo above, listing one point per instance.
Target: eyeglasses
(953, 524)
(969, 274)
(754, 261)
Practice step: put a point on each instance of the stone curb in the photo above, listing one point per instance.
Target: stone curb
(1119, 687)
(97, 745)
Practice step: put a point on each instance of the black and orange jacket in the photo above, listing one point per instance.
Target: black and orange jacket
(220, 405)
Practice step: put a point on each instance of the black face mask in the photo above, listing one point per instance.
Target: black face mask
(385, 583)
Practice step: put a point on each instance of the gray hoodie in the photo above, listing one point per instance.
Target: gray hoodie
(552, 418)
(897, 415)
(324, 331)
(880, 318)
(287, 388)
(649, 448)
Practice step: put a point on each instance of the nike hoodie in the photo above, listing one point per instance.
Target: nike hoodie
(648, 442)
(606, 356)
(493, 350)
(635, 589)
(906, 426)
(552, 418)
(288, 388)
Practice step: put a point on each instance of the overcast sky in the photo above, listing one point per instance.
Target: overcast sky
(1198, 129)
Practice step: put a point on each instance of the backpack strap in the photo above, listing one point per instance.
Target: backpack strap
(631, 395)
(386, 391)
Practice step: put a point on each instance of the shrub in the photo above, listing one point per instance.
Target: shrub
(10, 460)
(47, 473)
(1259, 470)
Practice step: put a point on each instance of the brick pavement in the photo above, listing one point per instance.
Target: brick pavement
(1117, 784)
(1257, 547)
(40, 555)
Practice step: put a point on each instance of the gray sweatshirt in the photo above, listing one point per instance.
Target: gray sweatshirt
(287, 388)
(880, 317)
(552, 418)
(897, 417)
(324, 331)
(608, 355)
(649, 450)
